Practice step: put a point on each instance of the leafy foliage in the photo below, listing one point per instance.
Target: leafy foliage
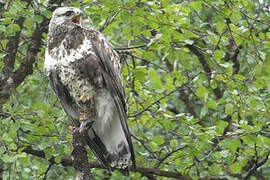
(196, 76)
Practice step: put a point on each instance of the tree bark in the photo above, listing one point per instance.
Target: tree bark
(79, 153)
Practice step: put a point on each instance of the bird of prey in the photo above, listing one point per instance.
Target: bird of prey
(84, 71)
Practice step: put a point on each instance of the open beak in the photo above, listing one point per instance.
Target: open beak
(77, 18)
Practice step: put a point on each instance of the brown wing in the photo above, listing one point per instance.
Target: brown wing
(72, 109)
(109, 61)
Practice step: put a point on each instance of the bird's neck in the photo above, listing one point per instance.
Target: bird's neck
(67, 32)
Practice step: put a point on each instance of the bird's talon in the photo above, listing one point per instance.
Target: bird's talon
(88, 98)
(82, 98)
(82, 116)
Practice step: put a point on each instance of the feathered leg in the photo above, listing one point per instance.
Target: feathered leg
(87, 113)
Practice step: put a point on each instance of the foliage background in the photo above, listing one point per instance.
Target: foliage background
(196, 75)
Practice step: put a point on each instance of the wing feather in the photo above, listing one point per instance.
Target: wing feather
(71, 108)
(109, 60)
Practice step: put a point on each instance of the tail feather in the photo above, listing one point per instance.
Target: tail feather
(98, 148)
(109, 136)
(109, 160)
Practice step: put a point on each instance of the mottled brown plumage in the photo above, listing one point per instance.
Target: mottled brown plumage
(85, 74)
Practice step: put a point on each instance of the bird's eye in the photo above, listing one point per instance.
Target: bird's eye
(68, 13)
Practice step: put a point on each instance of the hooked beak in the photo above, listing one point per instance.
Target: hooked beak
(76, 18)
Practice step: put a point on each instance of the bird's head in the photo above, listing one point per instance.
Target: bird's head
(69, 16)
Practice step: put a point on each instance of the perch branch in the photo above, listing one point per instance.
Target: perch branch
(68, 161)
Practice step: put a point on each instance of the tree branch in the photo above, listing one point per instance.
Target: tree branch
(108, 21)
(256, 166)
(11, 50)
(206, 67)
(12, 81)
(131, 47)
(47, 170)
(68, 161)
(80, 158)
(163, 97)
(155, 102)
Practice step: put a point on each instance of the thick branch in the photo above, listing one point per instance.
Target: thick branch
(26, 67)
(202, 60)
(206, 67)
(189, 105)
(68, 161)
(235, 48)
(11, 82)
(80, 156)
(11, 50)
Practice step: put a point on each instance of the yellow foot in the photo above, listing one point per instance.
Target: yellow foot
(82, 98)
(85, 98)
(89, 98)
(82, 116)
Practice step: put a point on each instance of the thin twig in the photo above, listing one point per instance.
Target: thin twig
(155, 102)
(108, 21)
(163, 97)
(256, 166)
(145, 146)
(131, 47)
(47, 170)
(148, 61)
(168, 155)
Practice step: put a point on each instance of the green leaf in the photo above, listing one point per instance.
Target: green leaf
(38, 19)
(159, 140)
(13, 130)
(220, 25)
(261, 35)
(249, 139)
(47, 14)
(229, 108)
(140, 73)
(153, 146)
(16, 27)
(148, 55)
(236, 168)
(75, 4)
(202, 93)
(219, 54)
(196, 5)
(213, 84)
(2, 28)
(236, 16)
(231, 144)
(8, 158)
(2, 55)
(67, 150)
(165, 3)
(169, 84)
(211, 104)
(234, 144)
(155, 81)
(57, 159)
(29, 23)
(220, 126)
(49, 153)
(203, 112)
(263, 141)
(12, 29)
